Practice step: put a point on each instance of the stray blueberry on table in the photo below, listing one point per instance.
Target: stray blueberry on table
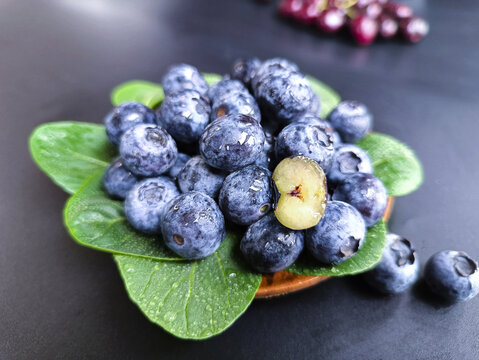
(398, 269)
(352, 120)
(453, 275)
(193, 226)
(145, 202)
(306, 140)
(268, 246)
(197, 175)
(148, 150)
(246, 195)
(366, 193)
(125, 116)
(339, 234)
(231, 142)
(118, 180)
(348, 159)
(184, 114)
(183, 77)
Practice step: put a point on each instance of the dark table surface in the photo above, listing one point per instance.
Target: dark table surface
(58, 61)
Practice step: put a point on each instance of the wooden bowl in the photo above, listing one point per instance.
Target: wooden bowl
(284, 282)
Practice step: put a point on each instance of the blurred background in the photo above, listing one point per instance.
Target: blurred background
(59, 59)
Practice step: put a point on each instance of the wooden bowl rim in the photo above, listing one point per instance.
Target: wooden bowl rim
(284, 282)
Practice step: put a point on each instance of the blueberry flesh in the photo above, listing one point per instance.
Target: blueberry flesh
(235, 103)
(284, 97)
(193, 226)
(339, 234)
(184, 114)
(125, 116)
(148, 150)
(452, 275)
(246, 195)
(244, 70)
(183, 77)
(366, 193)
(118, 180)
(306, 140)
(145, 202)
(225, 87)
(232, 142)
(348, 159)
(352, 120)
(197, 175)
(398, 268)
(179, 164)
(268, 246)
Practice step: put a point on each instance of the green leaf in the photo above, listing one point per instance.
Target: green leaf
(96, 221)
(329, 98)
(368, 256)
(194, 299)
(145, 92)
(394, 163)
(212, 78)
(71, 152)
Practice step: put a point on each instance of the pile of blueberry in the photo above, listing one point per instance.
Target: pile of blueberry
(366, 19)
(252, 151)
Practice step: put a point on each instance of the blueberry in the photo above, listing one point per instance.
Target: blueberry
(125, 116)
(224, 87)
(366, 193)
(145, 202)
(324, 125)
(245, 69)
(284, 97)
(232, 142)
(197, 175)
(398, 268)
(183, 77)
(306, 140)
(315, 107)
(267, 158)
(352, 120)
(452, 275)
(235, 103)
(246, 195)
(339, 234)
(269, 246)
(118, 180)
(184, 114)
(272, 66)
(180, 163)
(348, 159)
(148, 150)
(193, 226)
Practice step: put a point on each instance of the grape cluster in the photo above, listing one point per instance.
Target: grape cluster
(366, 19)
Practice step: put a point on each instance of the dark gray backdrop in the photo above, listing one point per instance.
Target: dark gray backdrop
(58, 61)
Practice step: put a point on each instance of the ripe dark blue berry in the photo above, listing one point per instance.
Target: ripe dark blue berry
(193, 226)
(306, 140)
(348, 159)
(225, 87)
(197, 175)
(366, 193)
(398, 268)
(235, 103)
(232, 142)
(246, 195)
(245, 69)
(268, 246)
(148, 150)
(118, 180)
(180, 163)
(339, 234)
(125, 116)
(145, 202)
(352, 120)
(452, 275)
(184, 114)
(183, 77)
